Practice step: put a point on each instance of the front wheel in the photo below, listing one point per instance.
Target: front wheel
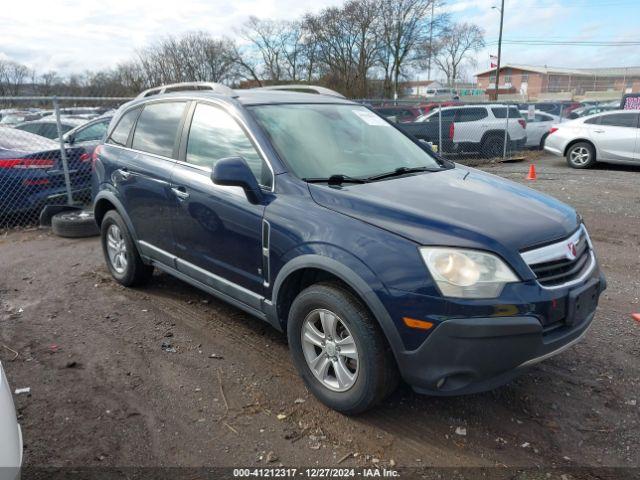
(581, 155)
(339, 350)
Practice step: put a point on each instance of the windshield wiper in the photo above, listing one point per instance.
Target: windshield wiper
(400, 171)
(338, 179)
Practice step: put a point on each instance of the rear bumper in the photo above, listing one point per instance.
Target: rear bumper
(471, 355)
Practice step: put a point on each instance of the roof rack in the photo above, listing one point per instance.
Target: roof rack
(188, 86)
(303, 88)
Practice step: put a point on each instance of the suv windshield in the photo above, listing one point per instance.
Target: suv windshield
(323, 140)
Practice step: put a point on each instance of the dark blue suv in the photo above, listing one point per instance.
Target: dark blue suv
(378, 259)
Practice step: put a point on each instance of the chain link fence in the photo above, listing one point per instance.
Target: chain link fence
(46, 143)
(46, 147)
(472, 131)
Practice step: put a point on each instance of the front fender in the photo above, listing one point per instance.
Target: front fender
(352, 272)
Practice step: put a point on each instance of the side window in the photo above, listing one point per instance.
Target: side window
(593, 121)
(92, 132)
(620, 120)
(120, 134)
(50, 130)
(471, 114)
(157, 128)
(30, 127)
(214, 135)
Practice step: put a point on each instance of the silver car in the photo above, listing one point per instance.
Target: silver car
(10, 433)
(538, 127)
(612, 137)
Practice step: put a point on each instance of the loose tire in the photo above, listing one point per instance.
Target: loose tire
(493, 146)
(339, 350)
(121, 254)
(74, 224)
(581, 155)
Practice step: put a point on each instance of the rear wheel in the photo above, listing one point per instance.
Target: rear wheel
(339, 350)
(581, 155)
(74, 224)
(493, 146)
(121, 254)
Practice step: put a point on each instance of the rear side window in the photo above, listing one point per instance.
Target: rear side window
(214, 134)
(471, 114)
(501, 112)
(92, 132)
(157, 128)
(620, 120)
(120, 134)
(593, 121)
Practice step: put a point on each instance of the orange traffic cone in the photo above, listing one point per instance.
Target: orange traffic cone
(532, 172)
(636, 317)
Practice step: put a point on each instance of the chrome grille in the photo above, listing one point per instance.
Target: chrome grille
(562, 263)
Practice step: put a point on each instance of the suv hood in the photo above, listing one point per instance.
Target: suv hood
(457, 207)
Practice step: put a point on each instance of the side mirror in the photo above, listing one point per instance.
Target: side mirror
(235, 172)
(68, 139)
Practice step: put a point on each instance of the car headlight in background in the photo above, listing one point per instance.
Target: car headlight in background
(463, 273)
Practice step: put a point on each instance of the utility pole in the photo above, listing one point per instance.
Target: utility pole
(499, 47)
(433, 3)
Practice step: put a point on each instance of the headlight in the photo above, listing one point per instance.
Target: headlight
(467, 273)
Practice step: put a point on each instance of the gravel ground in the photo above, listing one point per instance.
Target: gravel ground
(223, 392)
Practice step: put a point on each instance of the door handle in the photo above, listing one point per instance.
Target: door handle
(180, 192)
(124, 173)
(599, 131)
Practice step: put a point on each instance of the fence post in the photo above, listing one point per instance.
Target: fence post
(440, 129)
(63, 153)
(561, 108)
(506, 135)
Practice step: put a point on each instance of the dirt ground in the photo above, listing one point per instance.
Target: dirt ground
(104, 391)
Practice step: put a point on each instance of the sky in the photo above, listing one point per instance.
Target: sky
(71, 36)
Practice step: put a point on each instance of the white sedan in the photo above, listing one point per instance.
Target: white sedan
(10, 433)
(612, 137)
(538, 127)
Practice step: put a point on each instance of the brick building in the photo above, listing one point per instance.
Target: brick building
(533, 81)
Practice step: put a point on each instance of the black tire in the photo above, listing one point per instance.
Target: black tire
(74, 224)
(492, 146)
(377, 374)
(576, 155)
(136, 272)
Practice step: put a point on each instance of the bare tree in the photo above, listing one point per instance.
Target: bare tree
(406, 25)
(12, 77)
(455, 46)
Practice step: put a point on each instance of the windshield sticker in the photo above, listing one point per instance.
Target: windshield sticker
(371, 118)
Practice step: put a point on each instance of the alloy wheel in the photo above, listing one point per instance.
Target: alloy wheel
(330, 350)
(117, 249)
(580, 156)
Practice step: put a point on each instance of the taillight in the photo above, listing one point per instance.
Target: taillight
(26, 163)
(85, 157)
(35, 181)
(552, 130)
(452, 130)
(522, 123)
(94, 155)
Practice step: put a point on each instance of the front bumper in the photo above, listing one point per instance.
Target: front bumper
(471, 355)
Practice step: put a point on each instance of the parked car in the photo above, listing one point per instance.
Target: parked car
(476, 128)
(32, 174)
(428, 107)
(591, 110)
(10, 433)
(379, 259)
(611, 137)
(15, 118)
(89, 134)
(399, 113)
(560, 108)
(538, 127)
(48, 128)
